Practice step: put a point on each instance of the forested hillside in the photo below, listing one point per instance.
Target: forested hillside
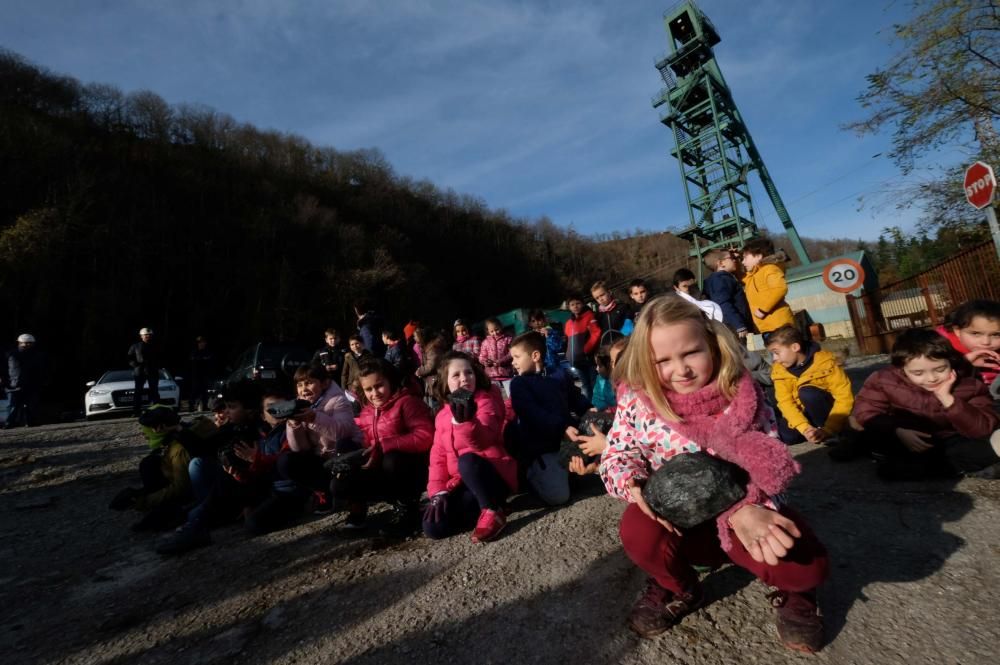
(120, 211)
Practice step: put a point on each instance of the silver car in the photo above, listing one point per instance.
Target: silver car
(115, 392)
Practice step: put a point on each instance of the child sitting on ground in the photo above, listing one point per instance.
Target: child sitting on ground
(470, 472)
(593, 445)
(686, 390)
(928, 415)
(604, 390)
(166, 486)
(398, 430)
(974, 330)
(544, 404)
(323, 431)
(813, 392)
(254, 483)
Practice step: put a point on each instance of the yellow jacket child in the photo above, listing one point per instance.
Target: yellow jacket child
(765, 286)
(825, 374)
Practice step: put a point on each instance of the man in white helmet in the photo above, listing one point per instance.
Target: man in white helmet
(145, 361)
(25, 371)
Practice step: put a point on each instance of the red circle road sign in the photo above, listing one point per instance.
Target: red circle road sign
(980, 183)
(843, 275)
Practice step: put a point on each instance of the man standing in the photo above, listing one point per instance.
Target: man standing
(25, 369)
(204, 367)
(144, 359)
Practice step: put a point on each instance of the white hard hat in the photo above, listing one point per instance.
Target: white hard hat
(146, 331)
(26, 339)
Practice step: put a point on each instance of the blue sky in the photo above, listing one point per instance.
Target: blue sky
(540, 108)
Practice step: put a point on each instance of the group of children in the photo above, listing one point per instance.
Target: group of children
(477, 423)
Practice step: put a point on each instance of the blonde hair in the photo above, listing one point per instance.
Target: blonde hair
(636, 366)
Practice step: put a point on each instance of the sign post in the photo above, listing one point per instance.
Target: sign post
(980, 185)
(843, 275)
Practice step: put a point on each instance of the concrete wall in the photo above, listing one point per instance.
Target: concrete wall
(824, 306)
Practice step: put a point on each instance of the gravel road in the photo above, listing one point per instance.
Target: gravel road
(915, 577)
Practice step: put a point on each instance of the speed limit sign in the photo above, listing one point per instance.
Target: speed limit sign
(843, 275)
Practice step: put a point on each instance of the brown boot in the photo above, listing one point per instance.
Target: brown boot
(799, 622)
(658, 609)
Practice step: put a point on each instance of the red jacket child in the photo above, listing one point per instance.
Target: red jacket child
(404, 423)
(483, 435)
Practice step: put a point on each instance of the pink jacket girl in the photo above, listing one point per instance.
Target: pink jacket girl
(402, 423)
(329, 421)
(494, 352)
(482, 435)
(470, 474)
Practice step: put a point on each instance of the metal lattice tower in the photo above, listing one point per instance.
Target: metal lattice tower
(712, 143)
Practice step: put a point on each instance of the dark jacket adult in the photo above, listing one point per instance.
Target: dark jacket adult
(726, 290)
(583, 334)
(144, 358)
(25, 370)
(612, 322)
(544, 405)
(204, 367)
(889, 400)
(370, 327)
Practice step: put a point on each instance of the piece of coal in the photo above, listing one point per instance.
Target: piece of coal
(595, 420)
(691, 488)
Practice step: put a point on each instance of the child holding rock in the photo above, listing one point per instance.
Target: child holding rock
(471, 475)
(686, 390)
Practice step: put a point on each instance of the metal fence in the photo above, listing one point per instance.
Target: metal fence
(924, 299)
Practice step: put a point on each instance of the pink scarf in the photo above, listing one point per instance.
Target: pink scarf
(734, 436)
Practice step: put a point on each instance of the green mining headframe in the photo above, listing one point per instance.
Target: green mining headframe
(712, 143)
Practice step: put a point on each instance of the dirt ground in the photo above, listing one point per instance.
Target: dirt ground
(915, 578)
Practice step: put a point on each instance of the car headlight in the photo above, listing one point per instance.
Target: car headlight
(98, 391)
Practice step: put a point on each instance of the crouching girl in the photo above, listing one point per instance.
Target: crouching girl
(685, 389)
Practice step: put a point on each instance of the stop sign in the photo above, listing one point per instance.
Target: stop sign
(980, 184)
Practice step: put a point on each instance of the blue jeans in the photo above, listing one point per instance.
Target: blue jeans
(204, 472)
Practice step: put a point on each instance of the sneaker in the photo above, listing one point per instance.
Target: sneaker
(799, 622)
(357, 516)
(658, 609)
(185, 539)
(489, 525)
(320, 503)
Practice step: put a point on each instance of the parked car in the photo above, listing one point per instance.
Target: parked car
(267, 361)
(115, 392)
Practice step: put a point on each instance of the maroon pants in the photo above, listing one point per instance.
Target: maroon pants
(668, 557)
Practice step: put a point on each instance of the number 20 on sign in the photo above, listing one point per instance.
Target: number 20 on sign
(843, 275)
